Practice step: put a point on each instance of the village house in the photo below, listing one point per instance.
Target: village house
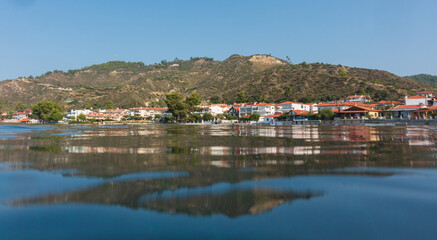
(104, 116)
(427, 94)
(147, 112)
(406, 111)
(288, 106)
(271, 118)
(359, 112)
(73, 114)
(116, 111)
(336, 106)
(358, 98)
(29, 120)
(419, 100)
(384, 104)
(19, 115)
(218, 109)
(298, 115)
(263, 109)
(214, 109)
(234, 111)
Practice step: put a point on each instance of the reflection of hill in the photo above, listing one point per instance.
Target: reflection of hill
(180, 195)
(234, 203)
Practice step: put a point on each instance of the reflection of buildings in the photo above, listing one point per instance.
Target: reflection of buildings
(295, 131)
(356, 134)
(245, 151)
(87, 149)
(418, 137)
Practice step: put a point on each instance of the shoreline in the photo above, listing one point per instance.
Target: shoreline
(337, 122)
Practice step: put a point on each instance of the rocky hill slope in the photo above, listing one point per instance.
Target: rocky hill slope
(261, 77)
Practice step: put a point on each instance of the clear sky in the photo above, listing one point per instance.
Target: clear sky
(37, 36)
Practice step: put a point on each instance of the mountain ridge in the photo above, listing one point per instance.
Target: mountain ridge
(430, 80)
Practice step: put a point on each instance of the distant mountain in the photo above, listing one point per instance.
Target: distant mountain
(428, 79)
(261, 77)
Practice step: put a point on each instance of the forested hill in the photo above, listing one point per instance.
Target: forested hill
(428, 79)
(261, 77)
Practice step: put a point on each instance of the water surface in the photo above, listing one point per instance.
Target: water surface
(217, 182)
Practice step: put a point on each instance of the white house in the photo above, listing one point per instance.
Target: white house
(419, 100)
(263, 109)
(75, 113)
(427, 94)
(19, 115)
(335, 106)
(358, 98)
(406, 111)
(147, 112)
(289, 106)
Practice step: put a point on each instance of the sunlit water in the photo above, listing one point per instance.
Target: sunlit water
(217, 182)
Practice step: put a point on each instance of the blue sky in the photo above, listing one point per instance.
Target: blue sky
(37, 36)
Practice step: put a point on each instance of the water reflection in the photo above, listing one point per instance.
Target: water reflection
(205, 171)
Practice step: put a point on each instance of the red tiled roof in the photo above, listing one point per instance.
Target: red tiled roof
(299, 112)
(416, 97)
(409, 106)
(364, 109)
(25, 120)
(425, 91)
(389, 102)
(274, 116)
(265, 104)
(143, 108)
(290, 102)
(339, 104)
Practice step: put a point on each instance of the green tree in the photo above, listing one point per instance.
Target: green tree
(196, 117)
(89, 106)
(47, 111)
(326, 114)
(343, 73)
(207, 117)
(254, 117)
(215, 99)
(109, 105)
(81, 117)
(288, 93)
(241, 97)
(193, 100)
(20, 107)
(55, 116)
(288, 60)
(175, 105)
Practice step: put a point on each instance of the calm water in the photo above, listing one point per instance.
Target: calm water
(218, 182)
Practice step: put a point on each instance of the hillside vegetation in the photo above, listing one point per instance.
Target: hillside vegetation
(260, 77)
(430, 80)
